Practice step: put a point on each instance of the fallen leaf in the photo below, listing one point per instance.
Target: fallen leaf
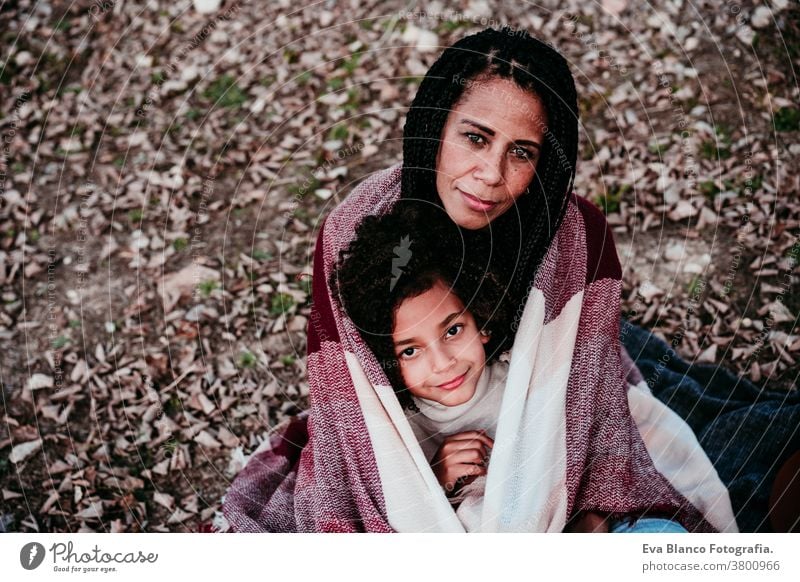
(21, 452)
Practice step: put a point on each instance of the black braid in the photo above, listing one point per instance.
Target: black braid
(517, 241)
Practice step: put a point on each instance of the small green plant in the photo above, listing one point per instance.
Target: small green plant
(301, 213)
(757, 182)
(304, 78)
(291, 56)
(226, 93)
(179, 244)
(339, 132)
(34, 235)
(173, 405)
(309, 184)
(281, 303)
(787, 119)
(718, 148)
(709, 189)
(135, 215)
(74, 323)
(207, 287)
(247, 359)
(610, 202)
(288, 360)
(193, 114)
(353, 100)
(260, 255)
(158, 78)
(351, 64)
(170, 446)
(449, 26)
(306, 283)
(60, 342)
(335, 84)
(695, 285)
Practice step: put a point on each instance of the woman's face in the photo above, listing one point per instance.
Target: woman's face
(491, 143)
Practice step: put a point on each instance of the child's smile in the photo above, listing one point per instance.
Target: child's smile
(438, 346)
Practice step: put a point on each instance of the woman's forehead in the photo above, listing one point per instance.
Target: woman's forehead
(499, 103)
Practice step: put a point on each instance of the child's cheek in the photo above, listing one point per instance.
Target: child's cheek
(404, 374)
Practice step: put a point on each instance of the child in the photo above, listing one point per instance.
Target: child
(439, 332)
(431, 327)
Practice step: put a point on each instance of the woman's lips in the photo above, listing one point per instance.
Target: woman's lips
(476, 203)
(454, 383)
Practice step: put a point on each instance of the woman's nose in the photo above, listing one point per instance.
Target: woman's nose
(489, 168)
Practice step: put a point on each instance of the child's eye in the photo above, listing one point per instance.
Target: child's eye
(454, 330)
(408, 353)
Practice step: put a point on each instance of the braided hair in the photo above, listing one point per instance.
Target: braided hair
(403, 254)
(516, 242)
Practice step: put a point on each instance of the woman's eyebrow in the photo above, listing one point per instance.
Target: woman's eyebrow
(445, 322)
(478, 126)
(491, 133)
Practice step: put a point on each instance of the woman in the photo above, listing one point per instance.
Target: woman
(491, 138)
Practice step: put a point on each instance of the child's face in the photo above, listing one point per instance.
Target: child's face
(438, 346)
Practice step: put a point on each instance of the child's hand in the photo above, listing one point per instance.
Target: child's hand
(461, 458)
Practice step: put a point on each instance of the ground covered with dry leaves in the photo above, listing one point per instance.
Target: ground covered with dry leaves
(165, 171)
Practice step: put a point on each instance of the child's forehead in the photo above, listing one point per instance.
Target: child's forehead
(430, 309)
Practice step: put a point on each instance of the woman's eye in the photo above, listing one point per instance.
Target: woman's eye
(455, 330)
(408, 352)
(475, 138)
(522, 153)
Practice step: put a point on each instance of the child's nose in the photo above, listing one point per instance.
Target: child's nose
(442, 360)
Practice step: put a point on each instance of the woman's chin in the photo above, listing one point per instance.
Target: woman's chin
(470, 220)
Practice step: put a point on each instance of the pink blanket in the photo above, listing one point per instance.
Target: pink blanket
(319, 472)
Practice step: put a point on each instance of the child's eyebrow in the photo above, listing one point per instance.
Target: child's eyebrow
(444, 323)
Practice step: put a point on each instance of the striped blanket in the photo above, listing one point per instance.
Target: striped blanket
(578, 429)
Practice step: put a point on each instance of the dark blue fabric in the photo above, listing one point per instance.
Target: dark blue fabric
(747, 433)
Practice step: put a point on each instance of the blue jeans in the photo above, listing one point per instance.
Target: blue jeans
(747, 433)
(646, 525)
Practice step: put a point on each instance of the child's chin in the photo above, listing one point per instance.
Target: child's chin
(457, 398)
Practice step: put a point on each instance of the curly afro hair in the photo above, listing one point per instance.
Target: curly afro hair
(403, 254)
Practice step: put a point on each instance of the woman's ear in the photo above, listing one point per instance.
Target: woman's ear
(485, 335)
